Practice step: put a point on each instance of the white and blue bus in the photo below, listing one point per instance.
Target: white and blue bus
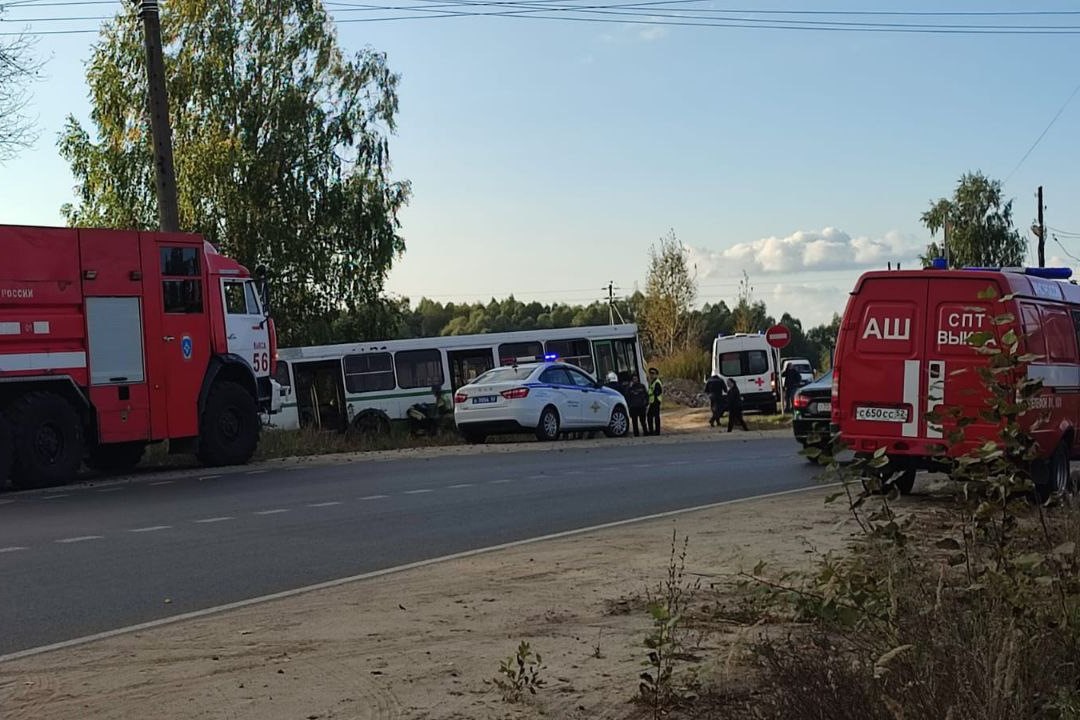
(368, 385)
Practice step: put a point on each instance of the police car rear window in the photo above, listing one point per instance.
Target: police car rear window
(505, 374)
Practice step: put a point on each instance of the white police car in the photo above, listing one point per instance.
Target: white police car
(545, 398)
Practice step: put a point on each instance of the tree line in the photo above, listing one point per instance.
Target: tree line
(282, 157)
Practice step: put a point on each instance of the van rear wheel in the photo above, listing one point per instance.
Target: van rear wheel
(1051, 476)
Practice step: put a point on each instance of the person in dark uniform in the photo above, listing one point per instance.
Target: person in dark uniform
(734, 406)
(717, 392)
(637, 402)
(656, 395)
(792, 381)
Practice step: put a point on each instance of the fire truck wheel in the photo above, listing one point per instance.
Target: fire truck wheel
(47, 438)
(7, 452)
(229, 431)
(116, 458)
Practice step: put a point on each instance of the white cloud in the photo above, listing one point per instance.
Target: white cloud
(810, 304)
(830, 249)
(652, 32)
(635, 33)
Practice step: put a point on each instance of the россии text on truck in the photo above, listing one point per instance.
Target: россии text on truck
(111, 340)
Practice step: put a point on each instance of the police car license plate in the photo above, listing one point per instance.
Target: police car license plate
(881, 414)
(483, 399)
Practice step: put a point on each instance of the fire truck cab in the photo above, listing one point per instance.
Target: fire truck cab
(111, 340)
(903, 350)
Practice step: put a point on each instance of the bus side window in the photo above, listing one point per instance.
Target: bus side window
(419, 368)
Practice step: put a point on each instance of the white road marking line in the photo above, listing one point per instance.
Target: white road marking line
(81, 538)
(680, 462)
(643, 465)
(216, 519)
(276, 511)
(6, 502)
(574, 472)
(112, 489)
(374, 497)
(13, 548)
(325, 504)
(152, 528)
(421, 491)
(500, 482)
(161, 482)
(54, 497)
(209, 477)
(460, 485)
(388, 571)
(254, 472)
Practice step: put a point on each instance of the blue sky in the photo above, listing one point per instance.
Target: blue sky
(547, 156)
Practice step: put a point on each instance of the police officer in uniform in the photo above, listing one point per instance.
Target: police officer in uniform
(656, 393)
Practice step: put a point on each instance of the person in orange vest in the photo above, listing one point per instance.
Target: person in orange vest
(656, 394)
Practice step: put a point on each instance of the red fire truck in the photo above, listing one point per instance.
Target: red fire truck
(111, 340)
(904, 336)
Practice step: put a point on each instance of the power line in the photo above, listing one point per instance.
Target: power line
(617, 13)
(1043, 133)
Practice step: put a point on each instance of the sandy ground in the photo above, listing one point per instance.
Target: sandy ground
(425, 642)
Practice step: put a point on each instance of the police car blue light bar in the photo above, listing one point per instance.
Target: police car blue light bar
(1058, 273)
(551, 356)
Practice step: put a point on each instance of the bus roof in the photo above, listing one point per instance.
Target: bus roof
(450, 342)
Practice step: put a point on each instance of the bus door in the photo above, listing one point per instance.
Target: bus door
(604, 351)
(467, 365)
(320, 394)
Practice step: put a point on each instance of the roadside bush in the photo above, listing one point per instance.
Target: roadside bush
(690, 363)
(965, 609)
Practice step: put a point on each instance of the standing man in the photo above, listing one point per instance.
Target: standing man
(734, 406)
(637, 402)
(716, 391)
(656, 394)
(792, 379)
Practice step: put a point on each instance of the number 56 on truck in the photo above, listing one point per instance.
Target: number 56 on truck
(111, 340)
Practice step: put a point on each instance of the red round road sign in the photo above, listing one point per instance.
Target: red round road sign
(778, 336)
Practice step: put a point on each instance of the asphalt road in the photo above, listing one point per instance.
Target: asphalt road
(82, 560)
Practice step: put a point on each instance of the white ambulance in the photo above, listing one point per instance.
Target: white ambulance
(749, 360)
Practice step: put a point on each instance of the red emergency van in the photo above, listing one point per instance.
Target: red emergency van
(904, 335)
(111, 340)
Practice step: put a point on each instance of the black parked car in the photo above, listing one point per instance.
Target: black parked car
(813, 411)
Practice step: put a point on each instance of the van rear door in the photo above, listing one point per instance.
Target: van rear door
(880, 374)
(951, 378)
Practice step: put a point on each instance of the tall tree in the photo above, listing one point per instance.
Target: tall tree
(280, 145)
(670, 291)
(17, 70)
(748, 316)
(977, 225)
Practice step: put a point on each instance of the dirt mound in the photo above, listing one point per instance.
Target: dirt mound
(685, 392)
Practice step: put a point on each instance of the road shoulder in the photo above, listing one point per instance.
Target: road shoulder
(421, 643)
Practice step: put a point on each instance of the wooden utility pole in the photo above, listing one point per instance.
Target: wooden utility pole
(1042, 232)
(158, 106)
